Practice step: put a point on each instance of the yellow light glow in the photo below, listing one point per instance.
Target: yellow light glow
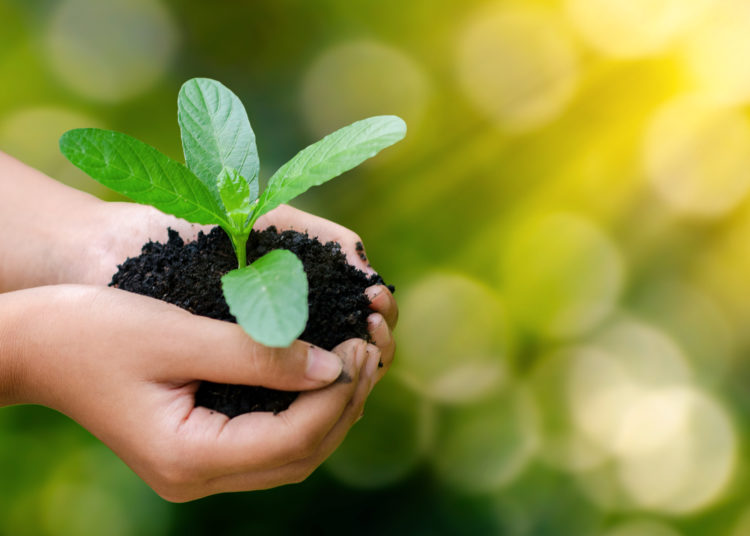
(518, 66)
(697, 156)
(453, 339)
(631, 28)
(110, 51)
(723, 269)
(716, 53)
(359, 79)
(561, 273)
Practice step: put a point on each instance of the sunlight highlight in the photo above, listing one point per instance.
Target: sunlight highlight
(633, 28)
(457, 353)
(110, 51)
(518, 66)
(691, 470)
(697, 156)
(360, 79)
(716, 53)
(562, 274)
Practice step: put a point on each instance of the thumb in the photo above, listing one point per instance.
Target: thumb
(222, 352)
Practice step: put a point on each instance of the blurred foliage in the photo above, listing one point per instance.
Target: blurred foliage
(567, 224)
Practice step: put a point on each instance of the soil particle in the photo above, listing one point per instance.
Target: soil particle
(189, 275)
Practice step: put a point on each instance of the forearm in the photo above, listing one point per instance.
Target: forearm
(44, 226)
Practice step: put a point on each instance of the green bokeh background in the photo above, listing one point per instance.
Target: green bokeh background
(567, 224)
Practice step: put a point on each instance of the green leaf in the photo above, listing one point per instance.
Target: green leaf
(142, 173)
(333, 155)
(216, 133)
(269, 298)
(235, 195)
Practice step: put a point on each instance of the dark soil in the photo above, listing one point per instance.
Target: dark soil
(189, 276)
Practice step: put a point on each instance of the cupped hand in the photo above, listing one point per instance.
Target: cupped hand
(126, 367)
(121, 229)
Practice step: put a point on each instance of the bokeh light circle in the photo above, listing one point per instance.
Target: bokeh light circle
(672, 447)
(697, 156)
(32, 136)
(693, 317)
(387, 443)
(354, 80)
(641, 527)
(742, 526)
(517, 65)
(632, 28)
(481, 448)
(608, 378)
(453, 339)
(113, 50)
(562, 445)
(562, 275)
(92, 491)
(691, 470)
(716, 52)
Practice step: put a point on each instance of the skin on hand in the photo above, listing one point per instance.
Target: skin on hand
(72, 348)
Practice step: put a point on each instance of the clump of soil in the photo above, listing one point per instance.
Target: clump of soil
(189, 275)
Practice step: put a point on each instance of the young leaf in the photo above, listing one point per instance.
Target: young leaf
(142, 173)
(333, 155)
(235, 195)
(269, 298)
(216, 133)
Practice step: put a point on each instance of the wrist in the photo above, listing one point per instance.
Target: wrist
(11, 366)
(41, 221)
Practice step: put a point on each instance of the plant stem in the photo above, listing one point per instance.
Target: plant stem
(240, 249)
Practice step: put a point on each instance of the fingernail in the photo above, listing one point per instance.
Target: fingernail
(322, 366)
(373, 292)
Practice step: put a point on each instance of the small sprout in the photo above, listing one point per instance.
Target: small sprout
(219, 186)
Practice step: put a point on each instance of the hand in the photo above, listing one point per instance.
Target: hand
(126, 367)
(123, 228)
(75, 238)
(382, 322)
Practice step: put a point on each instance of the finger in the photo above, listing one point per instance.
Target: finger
(296, 471)
(286, 217)
(382, 338)
(259, 440)
(383, 302)
(356, 255)
(222, 352)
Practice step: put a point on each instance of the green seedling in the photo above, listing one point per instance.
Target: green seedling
(218, 185)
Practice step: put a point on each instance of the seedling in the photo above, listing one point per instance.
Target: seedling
(219, 186)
